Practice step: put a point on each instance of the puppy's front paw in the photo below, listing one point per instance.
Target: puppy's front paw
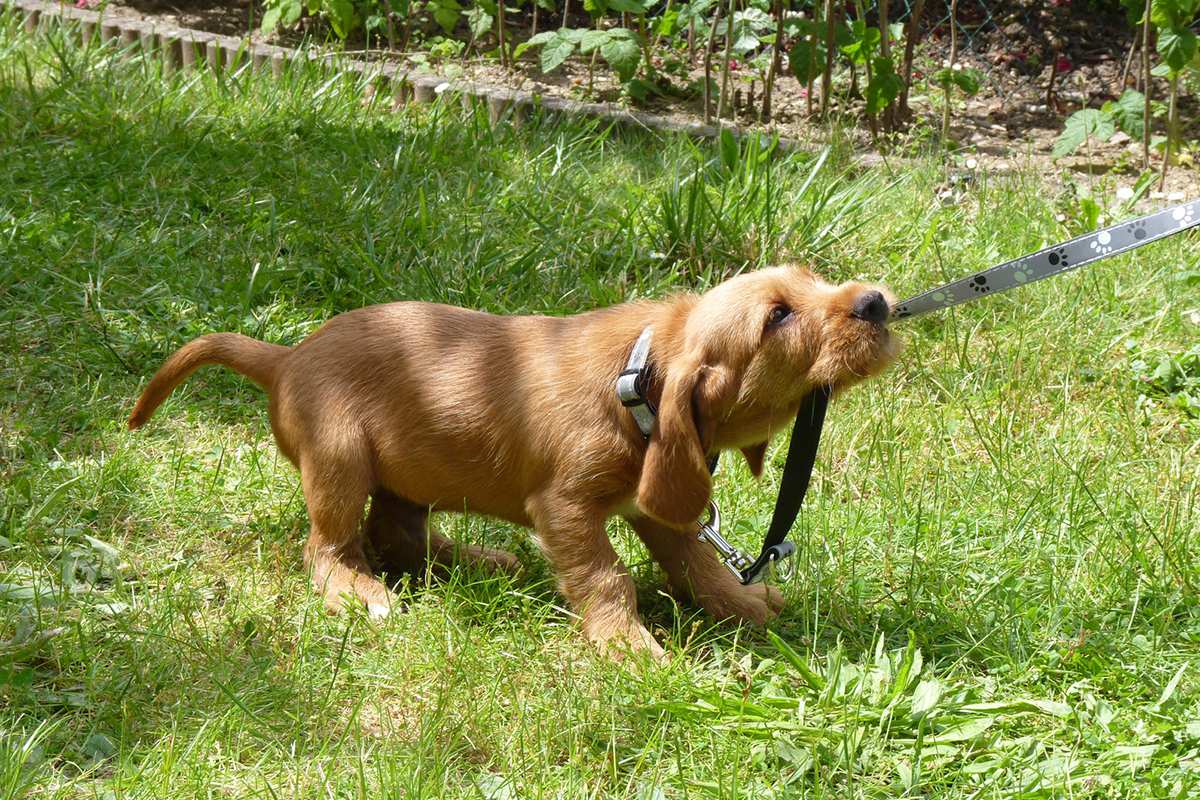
(757, 603)
(618, 641)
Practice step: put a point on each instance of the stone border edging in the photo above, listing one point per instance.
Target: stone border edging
(185, 49)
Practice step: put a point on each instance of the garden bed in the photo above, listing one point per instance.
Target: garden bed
(1008, 122)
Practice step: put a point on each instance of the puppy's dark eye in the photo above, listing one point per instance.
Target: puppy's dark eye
(778, 314)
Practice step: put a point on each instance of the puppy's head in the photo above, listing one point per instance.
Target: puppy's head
(750, 350)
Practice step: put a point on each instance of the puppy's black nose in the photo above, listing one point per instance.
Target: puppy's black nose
(870, 306)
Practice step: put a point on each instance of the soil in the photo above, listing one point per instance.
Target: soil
(1016, 45)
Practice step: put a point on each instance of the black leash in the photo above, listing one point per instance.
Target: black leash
(797, 474)
(793, 486)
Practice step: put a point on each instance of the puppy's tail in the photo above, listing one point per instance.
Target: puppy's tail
(257, 360)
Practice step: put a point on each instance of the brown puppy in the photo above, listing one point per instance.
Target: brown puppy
(427, 407)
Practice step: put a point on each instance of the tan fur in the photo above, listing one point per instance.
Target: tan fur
(426, 407)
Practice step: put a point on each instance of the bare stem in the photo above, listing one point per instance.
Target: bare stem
(953, 60)
(592, 72)
(1128, 65)
(830, 46)
(708, 53)
(1050, 83)
(911, 35)
(1146, 87)
(723, 99)
(648, 69)
(885, 50)
(500, 32)
(769, 88)
(1171, 122)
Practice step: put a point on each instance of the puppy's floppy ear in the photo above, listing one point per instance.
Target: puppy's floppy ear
(675, 484)
(754, 455)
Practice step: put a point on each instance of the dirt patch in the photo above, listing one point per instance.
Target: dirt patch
(225, 17)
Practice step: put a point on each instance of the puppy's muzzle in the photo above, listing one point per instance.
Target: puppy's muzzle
(871, 306)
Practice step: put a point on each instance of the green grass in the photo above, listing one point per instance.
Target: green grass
(1004, 495)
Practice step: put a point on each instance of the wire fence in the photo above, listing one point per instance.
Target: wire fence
(1027, 34)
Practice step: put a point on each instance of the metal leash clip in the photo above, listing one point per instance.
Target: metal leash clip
(710, 531)
(746, 569)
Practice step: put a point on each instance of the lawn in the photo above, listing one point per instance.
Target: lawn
(996, 583)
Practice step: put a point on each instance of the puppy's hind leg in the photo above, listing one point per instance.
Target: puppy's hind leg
(694, 570)
(395, 530)
(335, 492)
(399, 533)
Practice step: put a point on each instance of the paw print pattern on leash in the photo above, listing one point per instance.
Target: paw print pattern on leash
(1102, 244)
(1056, 259)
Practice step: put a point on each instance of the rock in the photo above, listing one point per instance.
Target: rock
(948, 197)
(1120, 137)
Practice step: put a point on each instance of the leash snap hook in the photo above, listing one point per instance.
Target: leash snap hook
(710, 531)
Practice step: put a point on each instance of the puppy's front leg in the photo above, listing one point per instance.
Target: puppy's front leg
(694, 570)
(591, 576)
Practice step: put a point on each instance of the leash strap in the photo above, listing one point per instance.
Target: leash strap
(1110, 241)
(797, 474)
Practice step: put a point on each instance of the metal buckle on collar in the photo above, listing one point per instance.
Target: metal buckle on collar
(740, 565)
(633, 384)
